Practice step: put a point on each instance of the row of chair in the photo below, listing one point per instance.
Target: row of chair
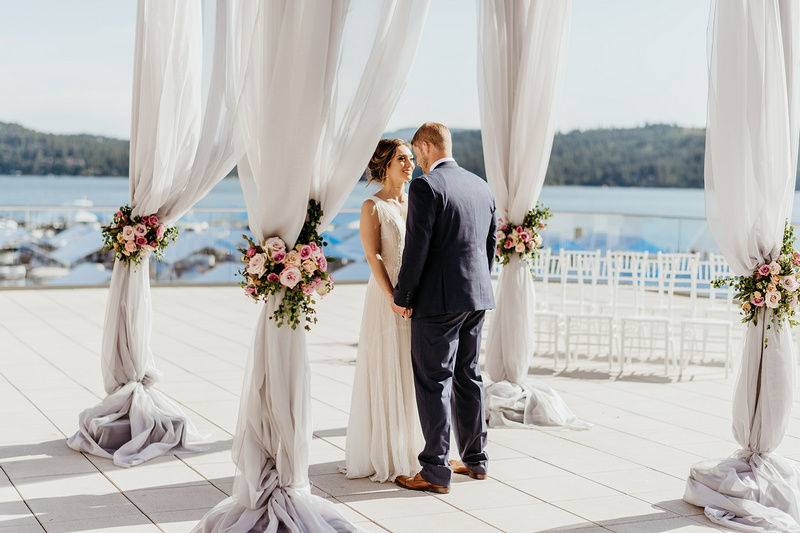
(634, 305)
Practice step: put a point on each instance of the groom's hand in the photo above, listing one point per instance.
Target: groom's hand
(402, 311)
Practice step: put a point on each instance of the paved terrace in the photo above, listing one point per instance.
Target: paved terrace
(624, 475)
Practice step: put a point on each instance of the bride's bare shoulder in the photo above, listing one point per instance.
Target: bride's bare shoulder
(369, 209)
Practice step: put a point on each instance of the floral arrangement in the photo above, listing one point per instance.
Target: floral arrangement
(272, 267)
(772, 286)
(133, 237)
(523, 239)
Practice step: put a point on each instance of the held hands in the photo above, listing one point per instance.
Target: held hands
(404, 312)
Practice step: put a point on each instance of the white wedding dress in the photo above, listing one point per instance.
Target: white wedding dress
(383, 433)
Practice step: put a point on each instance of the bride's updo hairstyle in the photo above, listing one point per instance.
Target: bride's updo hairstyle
(382, 157)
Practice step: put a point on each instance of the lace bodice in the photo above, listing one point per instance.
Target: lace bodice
(393, 235)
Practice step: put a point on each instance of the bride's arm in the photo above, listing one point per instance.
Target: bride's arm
(370, 230)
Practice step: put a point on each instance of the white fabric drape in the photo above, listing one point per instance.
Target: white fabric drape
(521, 47)
(181, 146)
(305, 136)
(751, 159)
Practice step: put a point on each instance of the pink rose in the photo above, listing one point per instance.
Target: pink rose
(160, 230)
(519, 229)
(290, 277)
(508, 244)
(308, 289)
(128, 233)
(251, 252)
(278, 257)
(130, 246)
(315, 250)
(118, 214)
(305, 252)
(251, 290)
(272, 277)
(140, 230)
(763, 271)
(520, 248)
(141, 241)
(796, 258)
(323, 263)
(774, 268)
(757, 299)
(153, 244)
(504, 228)
(153, 220)
(525, 236)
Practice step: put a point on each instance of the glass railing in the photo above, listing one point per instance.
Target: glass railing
(51, 246)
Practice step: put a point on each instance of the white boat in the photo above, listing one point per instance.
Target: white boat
(9, 272)
(45, 273)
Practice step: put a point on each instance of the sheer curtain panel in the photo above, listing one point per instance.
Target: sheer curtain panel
(751, 160)
(308, 132)
(181, 146)
(521, 49)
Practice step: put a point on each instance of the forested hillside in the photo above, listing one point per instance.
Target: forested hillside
(649, 156)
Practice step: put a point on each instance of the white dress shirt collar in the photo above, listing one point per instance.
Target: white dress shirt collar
(439, 162)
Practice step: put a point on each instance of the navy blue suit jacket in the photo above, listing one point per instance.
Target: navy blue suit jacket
(450, 243)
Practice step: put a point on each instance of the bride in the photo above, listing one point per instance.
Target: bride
(383, 434)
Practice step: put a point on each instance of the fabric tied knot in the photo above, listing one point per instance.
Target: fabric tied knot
(149, 379)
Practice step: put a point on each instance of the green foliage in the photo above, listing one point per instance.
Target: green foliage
(650, 156)
(655, 155)
(23, 151)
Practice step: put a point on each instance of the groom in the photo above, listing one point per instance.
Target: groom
(444, 282)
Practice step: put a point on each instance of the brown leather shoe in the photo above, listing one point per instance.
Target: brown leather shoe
(419, 483)
(460, 468)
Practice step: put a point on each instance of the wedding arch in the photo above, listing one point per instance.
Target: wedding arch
(265, 93)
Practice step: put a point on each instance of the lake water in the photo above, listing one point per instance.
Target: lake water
(112, 192)
(584, 217)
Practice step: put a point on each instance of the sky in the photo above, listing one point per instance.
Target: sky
(67, 66)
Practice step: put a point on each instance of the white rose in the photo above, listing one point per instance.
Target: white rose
(324, 288)
(275, 244)
(257, 265)
(520, 248)
(309, 266)
(293, 259)
(773, 299)
(290, 277)
(789, 283)
(128, 234)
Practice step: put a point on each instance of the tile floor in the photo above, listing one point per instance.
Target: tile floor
(626, 474)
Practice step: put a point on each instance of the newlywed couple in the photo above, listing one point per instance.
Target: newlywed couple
(417, 370)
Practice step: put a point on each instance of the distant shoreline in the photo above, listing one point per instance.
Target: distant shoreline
(654, 155)
(236, 178)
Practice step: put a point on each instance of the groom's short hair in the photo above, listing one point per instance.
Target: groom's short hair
(436, 134)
